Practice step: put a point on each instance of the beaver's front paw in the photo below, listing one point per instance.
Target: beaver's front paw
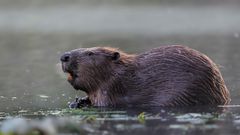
(79, 103)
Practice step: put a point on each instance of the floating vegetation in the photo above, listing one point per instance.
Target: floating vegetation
(141, 117)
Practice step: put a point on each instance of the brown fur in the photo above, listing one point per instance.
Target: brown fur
(164, 76)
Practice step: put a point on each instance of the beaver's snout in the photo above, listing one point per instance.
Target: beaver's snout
(65, 57)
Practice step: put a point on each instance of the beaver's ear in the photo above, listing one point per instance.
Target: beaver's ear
(115, 56)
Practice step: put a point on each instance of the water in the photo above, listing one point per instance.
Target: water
(180, 121)
(33, 35)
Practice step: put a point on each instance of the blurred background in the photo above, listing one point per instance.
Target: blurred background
(34, 34)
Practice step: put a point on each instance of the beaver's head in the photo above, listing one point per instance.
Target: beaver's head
(89, 68)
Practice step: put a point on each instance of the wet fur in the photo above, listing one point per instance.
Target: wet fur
(164, 76)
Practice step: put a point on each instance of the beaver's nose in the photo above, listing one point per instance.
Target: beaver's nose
(65, 57)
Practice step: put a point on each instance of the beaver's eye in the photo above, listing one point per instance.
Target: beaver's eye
(90, 53)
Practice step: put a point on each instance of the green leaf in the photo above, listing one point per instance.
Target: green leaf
(141, 117)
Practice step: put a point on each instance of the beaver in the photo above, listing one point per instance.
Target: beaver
(166, 76)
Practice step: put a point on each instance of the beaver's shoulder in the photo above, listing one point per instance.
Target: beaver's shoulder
(173, 55)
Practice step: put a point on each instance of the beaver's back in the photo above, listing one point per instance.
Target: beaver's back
(178, 75)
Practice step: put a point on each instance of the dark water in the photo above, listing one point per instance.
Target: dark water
(33, 34)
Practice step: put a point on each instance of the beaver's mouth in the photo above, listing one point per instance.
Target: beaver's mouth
(71, 76)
